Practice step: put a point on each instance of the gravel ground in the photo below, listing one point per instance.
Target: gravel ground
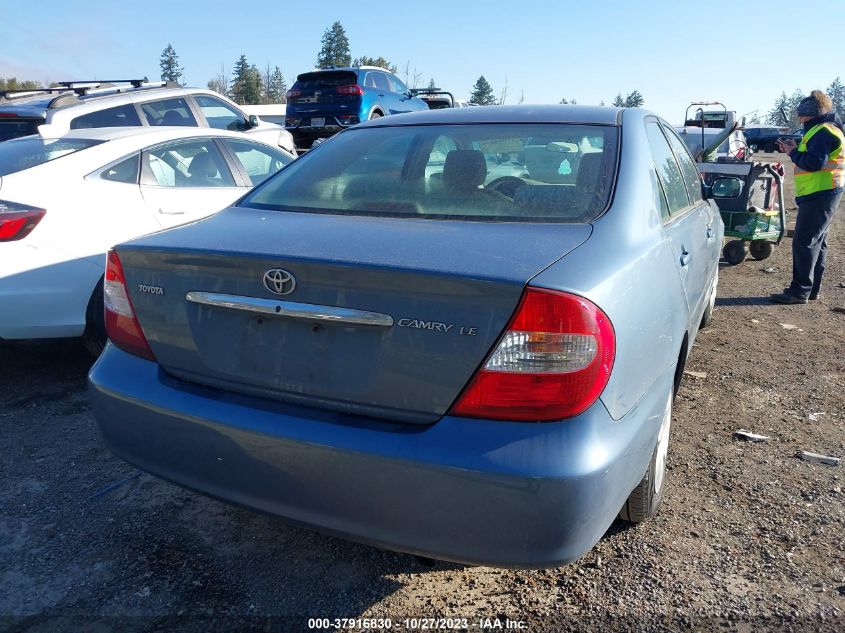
(749, 537)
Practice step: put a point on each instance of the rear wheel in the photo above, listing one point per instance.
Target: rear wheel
(375, 115)
(761, 249)
(94, 337)
(645, 499)
(735, 252)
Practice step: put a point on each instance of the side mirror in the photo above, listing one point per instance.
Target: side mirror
(253, 121)
(723, 188)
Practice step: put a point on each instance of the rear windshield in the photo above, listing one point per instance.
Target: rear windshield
(13, 127)
(504, 172)
(24, 153)
(330, 79)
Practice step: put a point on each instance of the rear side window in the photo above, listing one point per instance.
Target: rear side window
(396, 85)
(121, 116)
(169, 112)
(125, 171)
(512, 172)
(668, 171)
(19, 154)
(690, 171)
(14, 127)
(196, 163)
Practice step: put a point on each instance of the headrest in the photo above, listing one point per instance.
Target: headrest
(464, 169)
(172, 117)
(203, 166)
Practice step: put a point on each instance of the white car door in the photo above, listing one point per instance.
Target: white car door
(186, 180)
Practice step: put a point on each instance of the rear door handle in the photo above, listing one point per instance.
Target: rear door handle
(685, 257)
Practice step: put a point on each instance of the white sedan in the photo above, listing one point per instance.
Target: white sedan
(65, 201)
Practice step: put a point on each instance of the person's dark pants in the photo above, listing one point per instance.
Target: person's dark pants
(809, 244)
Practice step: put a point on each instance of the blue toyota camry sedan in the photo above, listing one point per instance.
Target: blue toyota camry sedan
(455, 333)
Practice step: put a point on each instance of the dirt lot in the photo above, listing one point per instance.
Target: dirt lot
(749, 538)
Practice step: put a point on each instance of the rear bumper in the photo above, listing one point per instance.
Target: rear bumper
(473, 491)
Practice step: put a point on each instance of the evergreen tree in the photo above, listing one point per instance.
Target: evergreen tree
(169, 62)
(431, 84)
(836, 92)
(563, 101)
(634, 100)
(779, 114)
(601, 103)
(246, 83)
(277, 87)
(12, 83)
(618, 102)
(380, 62)
(335, 50)
(482, 93)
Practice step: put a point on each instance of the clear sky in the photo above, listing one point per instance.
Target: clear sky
(588, 50)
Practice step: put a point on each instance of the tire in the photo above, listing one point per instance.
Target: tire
(760, 249)
(644, 500)
(707, 317)
(375, 115)
(735, 252)
(94, 337)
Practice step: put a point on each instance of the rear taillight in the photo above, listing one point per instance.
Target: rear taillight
(17, 220)
(293, 94)
(354, 89)
(552, 362)
(122, 325)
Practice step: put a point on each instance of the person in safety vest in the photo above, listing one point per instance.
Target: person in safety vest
(819, 161)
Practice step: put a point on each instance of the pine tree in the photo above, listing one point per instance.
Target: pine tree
(277, 87)
(431, 84)
(335, 50)
(634, 100)
(169, 62)
(779, 114)
(246, 83)
(601, 103)
(836, 92)
(618, 102)
(380, 62)
(482, 93)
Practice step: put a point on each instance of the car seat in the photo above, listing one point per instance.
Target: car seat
(464, 170)
(204, 172)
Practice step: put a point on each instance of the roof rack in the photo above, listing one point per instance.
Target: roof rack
(81, 88)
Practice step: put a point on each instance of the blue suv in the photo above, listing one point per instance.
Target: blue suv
(323, 102)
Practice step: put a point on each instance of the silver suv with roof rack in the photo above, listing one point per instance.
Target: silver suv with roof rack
(72, 105)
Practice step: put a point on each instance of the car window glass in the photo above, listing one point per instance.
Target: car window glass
(169, 112)
(220, 115)
(14, 127)
(690, 171)
(369, 80)
(396, 85)
(124, 171)
(667, 169)
(380, 80)
(258, 161)
(121, 116)
(25, 153)
(516, 172)
(195, 163)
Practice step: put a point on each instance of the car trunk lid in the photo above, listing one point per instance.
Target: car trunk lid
(320, 88)
(408, 309)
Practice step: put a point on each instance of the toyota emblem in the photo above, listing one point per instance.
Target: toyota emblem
(279, 281)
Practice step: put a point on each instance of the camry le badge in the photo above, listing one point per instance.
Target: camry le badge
(279, 281)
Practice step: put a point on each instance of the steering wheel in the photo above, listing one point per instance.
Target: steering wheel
(506, 185)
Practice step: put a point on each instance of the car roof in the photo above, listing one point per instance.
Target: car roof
(596, 115)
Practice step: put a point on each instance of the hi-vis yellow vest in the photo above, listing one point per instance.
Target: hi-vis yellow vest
(832, 173)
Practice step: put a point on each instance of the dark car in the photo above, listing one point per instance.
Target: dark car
(323, 102)
(763, 138)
